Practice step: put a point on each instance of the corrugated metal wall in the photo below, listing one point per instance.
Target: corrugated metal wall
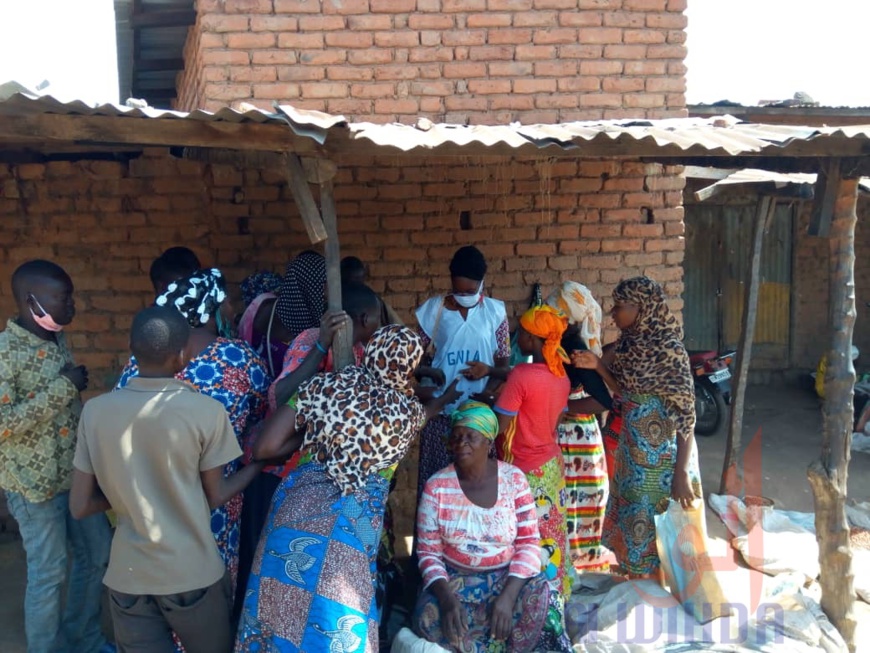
(718, 248)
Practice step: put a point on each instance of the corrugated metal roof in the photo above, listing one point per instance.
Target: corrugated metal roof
(677, 137)
(752, 176)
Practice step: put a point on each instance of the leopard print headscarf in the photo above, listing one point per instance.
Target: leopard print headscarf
(362, 419)
(650, 356)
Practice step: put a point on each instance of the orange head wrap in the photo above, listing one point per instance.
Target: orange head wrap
(548, 323)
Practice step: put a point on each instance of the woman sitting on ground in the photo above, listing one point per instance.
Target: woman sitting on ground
(479, 548)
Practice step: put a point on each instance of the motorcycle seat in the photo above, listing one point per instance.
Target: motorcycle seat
(699, 357)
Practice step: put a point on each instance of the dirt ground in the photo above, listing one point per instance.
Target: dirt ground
(789, 421)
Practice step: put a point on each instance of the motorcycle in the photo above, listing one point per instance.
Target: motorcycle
(712, 377)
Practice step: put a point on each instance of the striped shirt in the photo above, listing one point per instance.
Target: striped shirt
(451, 530)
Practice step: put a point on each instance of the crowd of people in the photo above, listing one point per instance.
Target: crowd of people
(231, 493)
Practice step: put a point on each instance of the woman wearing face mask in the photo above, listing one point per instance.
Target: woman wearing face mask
(225, 369)
(467, 338)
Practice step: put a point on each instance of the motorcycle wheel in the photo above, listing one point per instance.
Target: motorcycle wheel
(710, 408)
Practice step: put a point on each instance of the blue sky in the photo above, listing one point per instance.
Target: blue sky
(741, 50)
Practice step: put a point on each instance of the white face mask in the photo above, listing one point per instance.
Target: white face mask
(469, 301)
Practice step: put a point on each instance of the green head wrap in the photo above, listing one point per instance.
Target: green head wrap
(478, 416)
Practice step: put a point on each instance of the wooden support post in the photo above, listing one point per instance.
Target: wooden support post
(825, 195)
(730, 481)
(297, 180)
(342, 346)
(828, 475)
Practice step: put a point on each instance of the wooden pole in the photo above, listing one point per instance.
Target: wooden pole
(828, 475)
(342, 346)
(730, 481)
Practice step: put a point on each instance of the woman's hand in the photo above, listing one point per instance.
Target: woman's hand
(476, 370)
(454, 621)
(330, 323)
(437, 375)
(681, 488)
(502, 620)
(585, 360)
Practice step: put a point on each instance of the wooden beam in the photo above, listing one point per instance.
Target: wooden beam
(112, 130)
(730, 481)
(163, 18)
(828, 476)
(157, 65)
(342, 346)
(311, 217)
(827, 189)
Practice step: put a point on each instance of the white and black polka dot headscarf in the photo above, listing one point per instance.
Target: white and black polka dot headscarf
(301, 301)
(197, 297)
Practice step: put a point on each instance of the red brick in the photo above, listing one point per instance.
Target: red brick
(269, 57)
(209, 40)
(223, 23)
(604, 35)
(665, 85)
(463, 37)
(667, 52)
(432, 88)
(461, 6)
(677, 5)
(488, 20)
(297, 6)
(429, 21)
(349, 39)
(369, 57)
(393, 6)
(631, 36)
(600, 67)
(353, 107)
(225, 58)
(370, 23)
(580, 51)
(372, 90)
(465, 69)
(536, 249)
(392, 106)
(561, 68)
(583, 84)
(536, 19)
(644, 68)
(491, 53)
(533, 52)
(426, 55)
(274, 24)
(635, 20)
(622, 84)
(321, 23)
(513, 35)
(251, 40)
(326, 57)
(664, 245)
(512, 102)
(555, 35)
(307, 73)
(406, 39)
(276, 91)
(294, 40)
(534, 86)
(625, 51)
(345, 6)
(644, 100)
(645, 5)
(580, 19)
(510, 68)
(555, 4)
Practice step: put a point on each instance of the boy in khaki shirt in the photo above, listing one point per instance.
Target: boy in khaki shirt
(154, 452)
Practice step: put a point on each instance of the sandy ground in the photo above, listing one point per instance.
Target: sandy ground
(787, 418)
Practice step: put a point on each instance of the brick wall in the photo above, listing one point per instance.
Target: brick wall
(477, 61)
(536, 221)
